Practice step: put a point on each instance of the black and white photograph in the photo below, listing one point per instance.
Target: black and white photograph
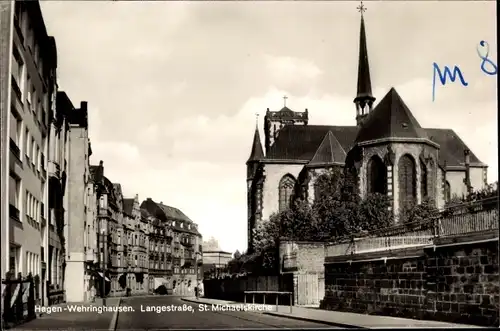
(218, 165)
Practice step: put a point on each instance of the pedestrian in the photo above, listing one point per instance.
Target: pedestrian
(92, 293)
(197, 292)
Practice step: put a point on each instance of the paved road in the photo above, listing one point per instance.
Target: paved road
(197, 319)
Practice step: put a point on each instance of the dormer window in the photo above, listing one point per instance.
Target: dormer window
(182, 225)
(189, 226)
(173, 223)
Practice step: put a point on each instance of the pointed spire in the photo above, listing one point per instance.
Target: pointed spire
(364, 95)
(257, 151)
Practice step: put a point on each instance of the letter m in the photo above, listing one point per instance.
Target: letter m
(452, 75)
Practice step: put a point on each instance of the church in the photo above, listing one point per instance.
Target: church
(388, 152)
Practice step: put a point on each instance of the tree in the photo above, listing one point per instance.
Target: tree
(372, 213)
(419, 213)
(237, 255)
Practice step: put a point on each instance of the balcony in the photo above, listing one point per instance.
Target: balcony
(13, 212)
(177, 261)
(54, 170)
(188, 262)
(15, 150)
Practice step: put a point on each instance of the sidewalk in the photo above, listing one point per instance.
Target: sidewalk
(345, 320)
(65, 319)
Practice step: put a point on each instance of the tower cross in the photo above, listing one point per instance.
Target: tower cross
(284, 99)
(361, 8)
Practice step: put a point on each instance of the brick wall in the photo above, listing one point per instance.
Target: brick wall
(308, 257)
(457, 283)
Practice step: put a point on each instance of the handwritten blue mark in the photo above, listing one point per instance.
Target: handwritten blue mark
(485, 60)
(442, 77)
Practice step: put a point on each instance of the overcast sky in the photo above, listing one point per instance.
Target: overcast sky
(173, 87)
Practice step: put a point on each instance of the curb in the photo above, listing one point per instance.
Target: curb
(114, 320)
(341, 325)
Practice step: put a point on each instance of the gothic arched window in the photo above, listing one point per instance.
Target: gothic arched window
(377, 176)
(318, 186)
(406, 180)
(286, 187)
(447, 191)
(423, 180)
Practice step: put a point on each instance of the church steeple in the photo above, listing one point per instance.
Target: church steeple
(257, 152)
(364, 99)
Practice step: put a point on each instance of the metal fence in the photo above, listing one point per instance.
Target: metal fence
(18, 299)
(466, 218)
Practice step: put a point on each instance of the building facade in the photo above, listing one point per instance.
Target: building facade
(80, 232)
(186, 247)
(132, 256)
(28, 82)
(387, 152)
(58, 167)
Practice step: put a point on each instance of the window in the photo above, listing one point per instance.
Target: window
(286, 187)
(38, 157)
(189, 226)
(377, 176)
(29, 87)
(17, 72)
(135, 259)
(15, 128)
(447, 191)
(30, 37)
(119, 260)
(406, 180)
(14, 191)
(28, 141)
(173, 223)
(32, 151)
(423, 180)
(33, 100)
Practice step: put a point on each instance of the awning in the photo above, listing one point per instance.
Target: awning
(159, 281)
(102, 276)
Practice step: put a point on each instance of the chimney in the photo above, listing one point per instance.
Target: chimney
(467, 171)
(83, 106)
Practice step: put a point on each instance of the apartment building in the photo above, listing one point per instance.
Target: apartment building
(159, 252)
(132, 256)
(28, 82)
(81, 229)
(58, 167)
(186, 246)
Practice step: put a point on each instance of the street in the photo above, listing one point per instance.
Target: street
(197, 319)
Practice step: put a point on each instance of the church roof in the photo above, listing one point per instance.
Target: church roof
(391, 118)
(451, 148)
(300, 142)
(257, 152)
(328, 152)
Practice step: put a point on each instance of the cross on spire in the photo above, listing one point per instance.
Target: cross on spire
(284, 99)
(361, 8)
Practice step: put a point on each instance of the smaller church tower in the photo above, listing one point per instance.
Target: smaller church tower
(274, 121)
(364, 99)
(253, 184)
